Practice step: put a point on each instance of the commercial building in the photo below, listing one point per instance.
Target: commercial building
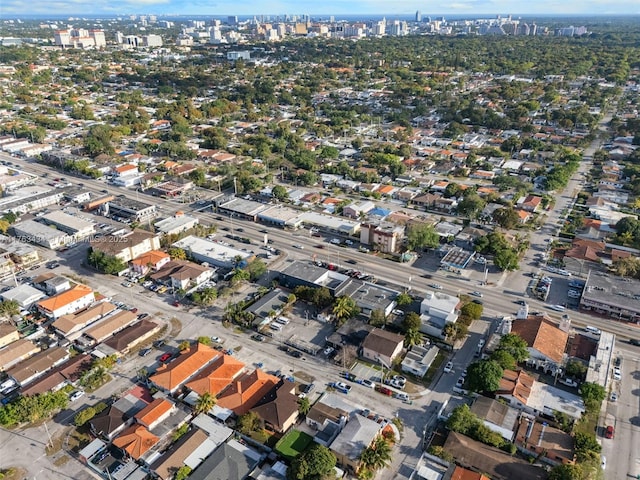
(40, 234)
(281, 216)
(77, 298)
(21, 254)
(29, 199)
(212, 253)
(130, 209)
(25, 295)
(69, 224)
(328, 223)
(436, 310)
(79, 38)
(385, 237)
(610, 296)
(127, 247)
(241, 208)
(177, 224)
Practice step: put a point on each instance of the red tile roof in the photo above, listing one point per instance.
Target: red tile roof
(136, 441)
(542, 334)
(217, 376)
(170, 376)
(152, 412)
(516, 383)
(245, 392)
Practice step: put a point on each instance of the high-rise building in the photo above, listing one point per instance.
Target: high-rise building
(232, 20)
(80, 38)
(418, 16)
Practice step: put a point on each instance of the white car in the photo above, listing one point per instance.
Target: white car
(558, 308)
(368, 383)
(477, 294)
(298, 246)
(603, 462)
(614, 397)
(436, 286)
(460, 382)
(76, 395)
(402, 396)
(448, 368)
(617, 374)
(328, 351)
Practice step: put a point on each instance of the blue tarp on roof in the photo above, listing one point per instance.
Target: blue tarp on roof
(380, 212)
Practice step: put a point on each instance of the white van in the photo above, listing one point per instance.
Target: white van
(282, 320)
(594, 330)
(276, 327)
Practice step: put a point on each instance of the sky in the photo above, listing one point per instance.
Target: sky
(12, 8)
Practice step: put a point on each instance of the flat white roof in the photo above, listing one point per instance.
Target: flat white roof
(327, 221)
(23, 294)
(68, 221)
(544, 397)
(33, 230)
(207, 248)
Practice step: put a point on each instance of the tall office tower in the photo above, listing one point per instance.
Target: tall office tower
(232, 20)
(332, 19)
(418, 16)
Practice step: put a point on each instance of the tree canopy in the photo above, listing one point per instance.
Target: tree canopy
(313, 464)
(422, 235)
(484, 376)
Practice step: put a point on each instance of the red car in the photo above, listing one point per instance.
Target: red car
(176, 303)
(164, 357)
(609, 432)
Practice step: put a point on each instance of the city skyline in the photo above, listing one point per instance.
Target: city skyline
(13, 8)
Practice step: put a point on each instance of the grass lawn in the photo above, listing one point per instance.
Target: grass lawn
(293, 444)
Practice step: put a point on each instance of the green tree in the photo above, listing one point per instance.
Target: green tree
(315, 463)
(471, 205)
(440, 452)
(205, 402)
(98, 141)
(515, 345)
(586, 445)
(204, 340)
(422, 235)
(304, 405)
(177, 253)
(183, 472)
(184, 345)
(249, 422)
(576, 369)
(345, 308)
(484, 376)
(280, 193)
(592, 394)
(412, 337)
(566, 472)
(506, 217)
(84, 416)
(256, 269)
(506, 259)
(504, 359)
(377, 455)
(9, 308)
(462, 419)
(403, 299)
(472, 310)
(411, 321)
(377, 318)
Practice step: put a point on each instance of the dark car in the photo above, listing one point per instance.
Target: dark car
(618, 361)
(159, 343)
(144, 352)
(295, 354)
(257, 337)
(240, 230)
(635, 341)
(143, 315)
(351, 261)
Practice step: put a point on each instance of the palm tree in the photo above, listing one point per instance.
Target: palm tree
(304, 406)
(205, 402)
(449, 330)
(345, 308)
(377, 455)
(412, 337)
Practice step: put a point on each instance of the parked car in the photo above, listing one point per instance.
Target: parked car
(384, 390)
(368, 383)
(613, 397)
(159, 343)
(610, 432)
(328, 351)
(257, 337)
(144, 352)
(635, 341)
(448, 368)
(295, 354)
(617, 374)
(341, 387)
(76, 395)
(402, 396)
(460, 382)
(164, 357)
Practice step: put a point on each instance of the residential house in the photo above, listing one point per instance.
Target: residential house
(16, 352)
(74, 299)
(232, 460)
(515, 387)
(170, 376)
(382, 346)
(495, 463)
(182, 274)
(436, 310)
(129, 338)
(108, 423)
(531, 203)
(66, 373)
(178, 454)
(100, 331)
(8, 334)
(245, 391)
(496, 416)
(356, 210)
(217, 376)
(460, 473)
(37, 365)
(535, 438)
(25, 295)
(329, 411)
(136, 441)
(127, 247)
(427, 200)
(355, 437)
(545, 339)
(150, 262)
(155, 412)
(70, 325)
(278, 408)
(418, 360)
